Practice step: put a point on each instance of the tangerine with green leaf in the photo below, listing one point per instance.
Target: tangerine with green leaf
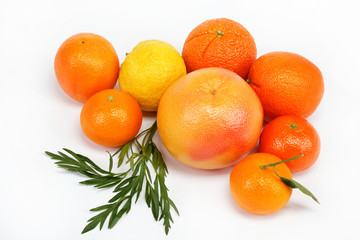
(260, 191)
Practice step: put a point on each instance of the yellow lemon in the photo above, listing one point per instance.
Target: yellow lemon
(148, 70)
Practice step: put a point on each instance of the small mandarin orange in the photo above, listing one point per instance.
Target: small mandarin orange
(288, 136)
(256, 190)
(111, 118)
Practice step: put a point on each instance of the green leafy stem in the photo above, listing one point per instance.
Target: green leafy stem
(290, 182)
(139, 156)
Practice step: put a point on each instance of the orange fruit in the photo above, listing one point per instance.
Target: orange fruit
(287, 84)
(111, 118)
(209, 118)
(289, 136)
(86, 63)
(260, 191)
(220, 43)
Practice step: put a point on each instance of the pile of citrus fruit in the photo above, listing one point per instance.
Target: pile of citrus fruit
(212, 102)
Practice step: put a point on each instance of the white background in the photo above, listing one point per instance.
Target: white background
(38, 200)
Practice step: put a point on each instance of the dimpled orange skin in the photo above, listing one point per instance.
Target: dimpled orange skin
(234, 49)
(111, 118)
(209, 118)
(287, 84)
(85, 64)
(290, 136)
(256, 190)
